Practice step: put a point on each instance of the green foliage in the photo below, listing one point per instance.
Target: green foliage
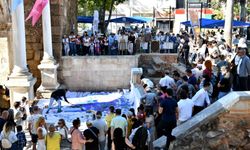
(87, 7)
(218, 12)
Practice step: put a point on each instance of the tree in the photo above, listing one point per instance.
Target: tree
(87, 7)
(240, 10)
(228, 22)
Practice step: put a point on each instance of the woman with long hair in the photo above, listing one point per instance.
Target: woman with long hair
(76, 136)
(9, 134)
(63, 130)
(53, 139)
(119, 142)
(208, 68)
(41, 133)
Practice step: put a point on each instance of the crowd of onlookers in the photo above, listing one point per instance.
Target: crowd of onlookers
(121, 43)
(213, 69)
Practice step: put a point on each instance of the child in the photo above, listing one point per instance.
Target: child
(21, 143)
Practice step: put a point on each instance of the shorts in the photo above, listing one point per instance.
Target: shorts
(34, 138)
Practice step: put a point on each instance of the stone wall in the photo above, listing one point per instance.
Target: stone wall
(61, 12)
(227, 128)
(105, 72)
(98, 72)
(155, 64)
(6, 52)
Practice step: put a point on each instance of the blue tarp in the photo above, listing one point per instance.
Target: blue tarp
(130, 20)
(205, 23)
(137, 19)
(147, 19)
(210, 23)
(85, 19)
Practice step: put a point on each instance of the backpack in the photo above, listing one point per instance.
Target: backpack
(140, 138)
(5, 142)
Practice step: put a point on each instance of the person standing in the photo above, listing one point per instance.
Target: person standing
(57, 95)
(86, 43)
(3, 119)
(8, 134)
(53, 139)
(108, 119)
(76, 136)
(169, 110)
(65, 42)
(167, 81)
(21, 143)
(32, 125)
(91, 133)
(185, 107)
(41, 133)
(63, 130)
(101, 125)
(119, 122)
(72, 43)
(243, 70)
(201, 98)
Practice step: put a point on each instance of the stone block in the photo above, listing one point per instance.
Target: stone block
(38, 56)
(32, 39)
(30, 55)
(56, 30)
(54, 9)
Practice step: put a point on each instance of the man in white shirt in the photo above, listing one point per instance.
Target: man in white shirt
(201, 98)
(185, 107)
(167, 81)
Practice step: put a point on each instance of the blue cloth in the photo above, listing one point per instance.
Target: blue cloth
(192, 80)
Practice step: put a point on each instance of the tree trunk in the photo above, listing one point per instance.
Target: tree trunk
(228, 22)
(102, 17)
(242, 13)
(243, 10)
(110, 14)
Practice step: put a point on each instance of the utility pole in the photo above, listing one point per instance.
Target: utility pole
(228, 22)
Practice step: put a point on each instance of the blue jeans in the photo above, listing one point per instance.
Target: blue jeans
(102, 145)
(72, 47)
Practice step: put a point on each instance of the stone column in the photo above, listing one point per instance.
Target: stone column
(48, 65)
(20, 81)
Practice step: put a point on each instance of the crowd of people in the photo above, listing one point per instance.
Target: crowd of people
(213, 69)
(122, 43)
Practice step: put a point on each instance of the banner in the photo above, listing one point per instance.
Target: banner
(195, 22)
(37, 10)
(15, 3)
(95, 22)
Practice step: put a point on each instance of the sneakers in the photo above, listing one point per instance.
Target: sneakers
(59, 110)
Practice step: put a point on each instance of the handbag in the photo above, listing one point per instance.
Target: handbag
(66, 143)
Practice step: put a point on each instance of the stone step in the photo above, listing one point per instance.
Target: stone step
(158, 61)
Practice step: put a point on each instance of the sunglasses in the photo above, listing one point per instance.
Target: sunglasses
(59, 123)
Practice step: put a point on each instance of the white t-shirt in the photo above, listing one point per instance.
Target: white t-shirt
(63, 132)
(101, 125)
(185, 107)
(167, 81)
(32, 120)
